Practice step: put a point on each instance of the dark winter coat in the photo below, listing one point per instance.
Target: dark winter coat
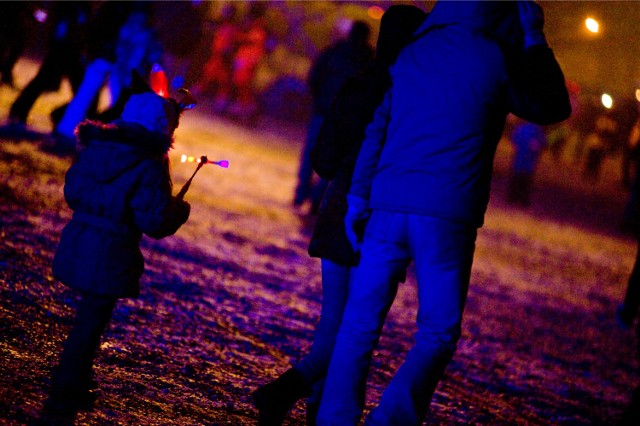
(430, 147)
(333, 68)
(119, 189)
(334, 157)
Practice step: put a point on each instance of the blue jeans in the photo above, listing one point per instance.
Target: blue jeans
(443, 254)
(335, 287)
(94, 78)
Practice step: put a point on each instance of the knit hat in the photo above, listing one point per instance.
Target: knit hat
(153, 112)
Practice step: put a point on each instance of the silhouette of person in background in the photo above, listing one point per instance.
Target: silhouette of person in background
(15, 17)
(119, 189)
(333, 67)
(529, 140)
(422, 180)
(598, 143)
(102, 39)
(333, 158)
(65, 59)
(250, 49)
(217, 71)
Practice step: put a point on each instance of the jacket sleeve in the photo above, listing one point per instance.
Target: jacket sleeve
(328, 149)
(375, 137)
(536, 88)
(157, 213)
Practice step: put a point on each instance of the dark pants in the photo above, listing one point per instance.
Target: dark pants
(59, 63)
(73, 374)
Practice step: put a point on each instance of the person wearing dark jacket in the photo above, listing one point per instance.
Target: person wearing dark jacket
(333, 158)
(333, 67)
(65, 59)
(119, 189)
(421, 184)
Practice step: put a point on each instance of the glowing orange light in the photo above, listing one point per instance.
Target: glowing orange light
(592, 25)
(375, 12)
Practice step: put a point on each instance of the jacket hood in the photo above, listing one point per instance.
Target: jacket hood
(111, 149)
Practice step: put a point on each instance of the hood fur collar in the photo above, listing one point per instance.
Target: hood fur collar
(126, 133)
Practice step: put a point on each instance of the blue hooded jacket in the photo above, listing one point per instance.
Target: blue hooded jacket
(430, 147)
(119, 189)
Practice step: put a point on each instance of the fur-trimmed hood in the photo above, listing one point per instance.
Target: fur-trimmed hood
(155, 143)
(108, 150)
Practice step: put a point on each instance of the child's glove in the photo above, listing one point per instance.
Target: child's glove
(532, 22)
(183, 209)
(357, 215)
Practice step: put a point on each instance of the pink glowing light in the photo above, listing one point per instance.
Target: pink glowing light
(184, 158)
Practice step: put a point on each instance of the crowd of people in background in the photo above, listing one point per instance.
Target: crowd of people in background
(96, 45)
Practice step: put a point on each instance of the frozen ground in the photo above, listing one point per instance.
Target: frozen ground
(230, 301)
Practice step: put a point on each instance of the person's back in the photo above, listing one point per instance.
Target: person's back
(448, 107)
(435, 149)
(336, 64)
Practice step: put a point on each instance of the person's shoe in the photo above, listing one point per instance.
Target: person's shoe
(67, 402)
(275, 399)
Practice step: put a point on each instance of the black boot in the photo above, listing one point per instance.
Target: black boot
(68, 401)
(275, 399)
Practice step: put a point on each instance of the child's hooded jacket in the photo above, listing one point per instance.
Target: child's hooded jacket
(119, 189)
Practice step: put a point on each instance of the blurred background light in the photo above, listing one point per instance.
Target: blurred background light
(375, 12)
(40, 15)
(592, 25)
(607, 100)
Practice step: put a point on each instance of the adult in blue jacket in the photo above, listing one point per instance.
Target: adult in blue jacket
(422, 179)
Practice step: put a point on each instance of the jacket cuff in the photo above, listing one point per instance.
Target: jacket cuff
(358, 203)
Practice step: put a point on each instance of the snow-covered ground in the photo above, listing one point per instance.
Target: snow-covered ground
(231, 300)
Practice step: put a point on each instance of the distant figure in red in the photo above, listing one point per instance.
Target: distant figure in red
(217, 71)
(251, 49)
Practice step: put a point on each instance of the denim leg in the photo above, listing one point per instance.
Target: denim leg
(372, 292)
(335, 287)
(305, 172)
(443, 254)
(94, 78)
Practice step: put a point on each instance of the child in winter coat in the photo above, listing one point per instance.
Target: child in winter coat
(119, 189)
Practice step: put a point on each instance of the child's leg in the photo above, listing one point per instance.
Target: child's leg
(72, 376)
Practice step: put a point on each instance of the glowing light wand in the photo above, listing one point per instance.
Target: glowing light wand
(201, 162)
